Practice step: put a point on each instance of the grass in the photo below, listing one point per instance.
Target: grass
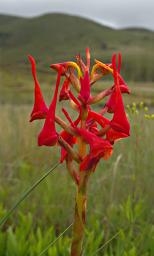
(12, 83)
(120, 192)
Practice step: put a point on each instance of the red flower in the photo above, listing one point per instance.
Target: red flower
(40, 109)
(111, 103)
(48, 136)
(123, 86)
(119, 121)
(111, 134)
(99, 148)
(112, 99)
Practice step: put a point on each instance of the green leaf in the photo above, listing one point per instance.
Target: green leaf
(25, 194)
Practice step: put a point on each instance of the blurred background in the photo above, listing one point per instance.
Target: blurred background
(121, 191)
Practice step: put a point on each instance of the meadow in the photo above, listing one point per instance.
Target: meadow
(52, 38)
(120, 196)
(120, 219)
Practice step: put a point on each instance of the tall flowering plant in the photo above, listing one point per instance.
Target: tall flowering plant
(91, 136)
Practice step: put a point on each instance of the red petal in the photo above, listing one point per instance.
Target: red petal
(98, 148)
(119, 121)
(110, 104)
(40, 109)
(85, 88)
(122, 85)
(59, 66)
(64, 90)
(103, 121)
(48, 136)
(111, 135)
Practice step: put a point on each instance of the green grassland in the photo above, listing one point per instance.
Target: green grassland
(56, 37)
(21, 85)
(121, 191)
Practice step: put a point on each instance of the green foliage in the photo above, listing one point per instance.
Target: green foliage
(135, 236)
(51, 36)
(120, 215)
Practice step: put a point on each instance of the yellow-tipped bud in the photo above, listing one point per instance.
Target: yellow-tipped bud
(74, 65)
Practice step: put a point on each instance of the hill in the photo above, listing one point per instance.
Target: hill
(56, 37)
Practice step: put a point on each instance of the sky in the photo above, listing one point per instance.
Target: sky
(115, 13)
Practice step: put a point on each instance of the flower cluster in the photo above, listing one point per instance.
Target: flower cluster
(90, 127)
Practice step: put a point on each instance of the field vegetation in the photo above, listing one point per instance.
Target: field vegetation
(120, 207)
(53, 37)
(120, 193)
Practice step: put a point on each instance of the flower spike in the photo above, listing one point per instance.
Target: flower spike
(91, 137)
(110, 130)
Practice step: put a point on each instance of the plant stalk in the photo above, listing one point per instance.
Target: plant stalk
(80, 216)
(81, 199)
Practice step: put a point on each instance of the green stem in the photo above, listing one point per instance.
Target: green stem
(81, 197)
(80, 216)
(25, 194)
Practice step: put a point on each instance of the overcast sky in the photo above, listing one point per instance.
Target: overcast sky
(116, 13)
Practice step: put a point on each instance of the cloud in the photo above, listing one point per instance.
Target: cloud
(118, 13)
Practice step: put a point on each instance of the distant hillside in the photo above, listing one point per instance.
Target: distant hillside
(57, 37)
